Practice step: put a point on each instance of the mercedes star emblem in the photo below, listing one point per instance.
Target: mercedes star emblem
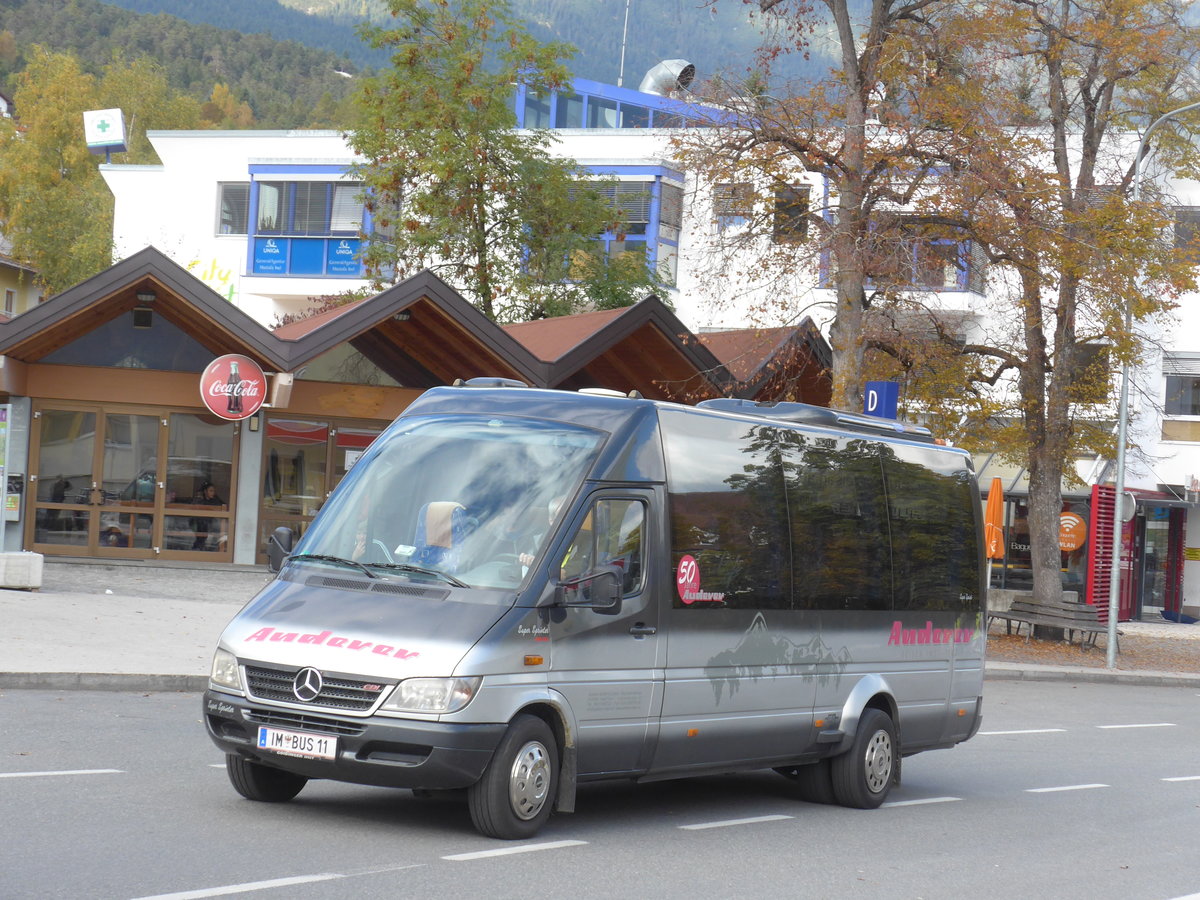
(307, 685)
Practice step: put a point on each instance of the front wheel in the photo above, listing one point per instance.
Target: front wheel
(255, 781)
(514, 797)
(863, 775)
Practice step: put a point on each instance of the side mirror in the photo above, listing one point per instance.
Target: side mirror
(598, 590)
(279, 546)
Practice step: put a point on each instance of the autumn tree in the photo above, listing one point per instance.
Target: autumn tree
(224, 110)
(55, 208)
(1046, 130)
(852, 133)
(452, 186)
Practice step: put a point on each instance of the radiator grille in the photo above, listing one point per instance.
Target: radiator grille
(337, 691)
(303, 723)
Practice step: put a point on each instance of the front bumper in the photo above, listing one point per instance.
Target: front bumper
(377, 750)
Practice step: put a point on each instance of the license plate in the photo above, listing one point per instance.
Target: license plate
(297, 743)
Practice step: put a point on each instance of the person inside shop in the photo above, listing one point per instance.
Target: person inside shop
(202, 525)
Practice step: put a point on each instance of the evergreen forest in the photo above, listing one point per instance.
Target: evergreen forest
(284, 83)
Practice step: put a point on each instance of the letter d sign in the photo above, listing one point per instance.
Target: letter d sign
(881, 398)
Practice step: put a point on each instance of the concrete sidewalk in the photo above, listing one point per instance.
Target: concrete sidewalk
(120, 626)
(140, 627)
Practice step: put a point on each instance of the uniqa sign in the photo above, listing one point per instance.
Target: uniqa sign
(233, 387)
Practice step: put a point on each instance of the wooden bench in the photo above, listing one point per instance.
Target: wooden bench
(1070, 616)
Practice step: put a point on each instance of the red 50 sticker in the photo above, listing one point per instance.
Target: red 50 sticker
(687, 579)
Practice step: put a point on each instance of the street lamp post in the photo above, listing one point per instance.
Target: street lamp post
(1114, 592)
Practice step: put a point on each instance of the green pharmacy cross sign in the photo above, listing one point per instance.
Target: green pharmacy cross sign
(104, 131)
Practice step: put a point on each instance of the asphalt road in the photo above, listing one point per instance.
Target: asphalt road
(1070, 791)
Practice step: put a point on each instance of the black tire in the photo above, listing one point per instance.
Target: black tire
(255, 781)
(814, 782)
(514, 797)
(863, 776)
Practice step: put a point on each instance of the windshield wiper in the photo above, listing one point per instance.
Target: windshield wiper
(421, 570)
(348, 563)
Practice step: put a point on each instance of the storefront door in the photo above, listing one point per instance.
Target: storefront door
(132, 483)
(305, 459)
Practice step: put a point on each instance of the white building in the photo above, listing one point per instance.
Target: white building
(270, 220)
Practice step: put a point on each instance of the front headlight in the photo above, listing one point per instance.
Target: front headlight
(432, 695)
(225, 672)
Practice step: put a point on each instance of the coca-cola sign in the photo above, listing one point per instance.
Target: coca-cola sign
(233, 387)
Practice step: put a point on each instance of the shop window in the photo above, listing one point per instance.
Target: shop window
(199, 479)
(234, 207)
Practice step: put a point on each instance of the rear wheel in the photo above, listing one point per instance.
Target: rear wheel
(255, 781)
(814, 782)
(863, 775)
(514, 797)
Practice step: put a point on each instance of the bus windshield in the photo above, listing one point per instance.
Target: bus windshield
(467, 499)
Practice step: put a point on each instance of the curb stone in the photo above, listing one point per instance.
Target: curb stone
(101, 681)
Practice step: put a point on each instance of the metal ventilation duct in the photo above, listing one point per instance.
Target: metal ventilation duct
(668, 76)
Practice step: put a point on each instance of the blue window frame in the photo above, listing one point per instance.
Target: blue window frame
(651, 199)
(590, 104)
(303, 224)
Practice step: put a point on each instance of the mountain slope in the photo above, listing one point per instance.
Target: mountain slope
(286, 84)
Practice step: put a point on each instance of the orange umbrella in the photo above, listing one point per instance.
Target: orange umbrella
(993, 521)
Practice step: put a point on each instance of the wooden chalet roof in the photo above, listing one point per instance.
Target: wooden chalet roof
(789, 363)
(422, 333)
(179, 297)
(643, 347)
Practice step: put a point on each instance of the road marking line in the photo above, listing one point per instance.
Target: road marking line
(1067, 787)
(1027, 731)
(245, 888)
(63, 772)
(507, 851)
(920, 802)
(1146, 725)
(728, 822)
(1184, 778)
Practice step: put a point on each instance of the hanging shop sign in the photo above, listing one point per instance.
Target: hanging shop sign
(233, 387)
(1072, 531)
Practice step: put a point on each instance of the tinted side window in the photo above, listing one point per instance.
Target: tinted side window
(839, 537)
(728, 513)
(931, 511)
(612, 534)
